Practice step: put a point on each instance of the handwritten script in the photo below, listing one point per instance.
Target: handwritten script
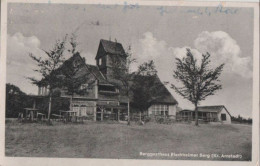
(162, 10)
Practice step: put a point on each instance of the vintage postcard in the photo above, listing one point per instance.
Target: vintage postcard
(129, 82)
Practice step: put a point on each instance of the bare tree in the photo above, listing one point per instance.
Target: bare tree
(73, 83)
(69, 72)
(199, 81)
(121, 72)
(73, 42)
(47, 68)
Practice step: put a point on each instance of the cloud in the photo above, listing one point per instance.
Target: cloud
(150, 48)
(224, 49)
(182, 52)
(19, 64)
(19, 46)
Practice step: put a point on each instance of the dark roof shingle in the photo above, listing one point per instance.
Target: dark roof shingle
(95, 71)
(113, 47)
(167, 96)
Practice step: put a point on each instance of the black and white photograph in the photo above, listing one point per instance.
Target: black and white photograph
(135, 80)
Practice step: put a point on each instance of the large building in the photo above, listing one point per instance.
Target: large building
(102, 98)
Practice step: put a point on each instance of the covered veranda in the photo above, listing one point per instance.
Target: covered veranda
(111, 112)
(189, 115)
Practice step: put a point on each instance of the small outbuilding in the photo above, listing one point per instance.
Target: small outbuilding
(217, 113)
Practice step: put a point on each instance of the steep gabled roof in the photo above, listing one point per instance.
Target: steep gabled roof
(213, 108)
(111, 47)
(95, 71)
(85, 69)
(167, 96)
(163, 97)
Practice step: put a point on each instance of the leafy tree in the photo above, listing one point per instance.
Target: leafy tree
(147, 87)
(13, 90)
(199, 81)
(47, 68)
(70, 80)
(16, 100)
(69, 71)
(121, 72)
(240, 119)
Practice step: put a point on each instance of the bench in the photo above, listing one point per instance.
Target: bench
(43, 116)
(57, 116)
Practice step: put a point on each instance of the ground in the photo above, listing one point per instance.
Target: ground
(115, 140)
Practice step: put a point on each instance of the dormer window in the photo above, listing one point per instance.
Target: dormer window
(85, 87)
(76, 63)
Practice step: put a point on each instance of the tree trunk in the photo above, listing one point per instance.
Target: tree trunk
(196, 115)
(71, 102)
(128, 111)
(49, 111)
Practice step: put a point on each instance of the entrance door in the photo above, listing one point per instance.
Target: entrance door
(98, 114)
(76, 109)
(114, 115)
(223, 117)
(83, 110)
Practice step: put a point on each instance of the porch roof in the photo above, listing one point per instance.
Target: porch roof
(111, 106)
(199, 110)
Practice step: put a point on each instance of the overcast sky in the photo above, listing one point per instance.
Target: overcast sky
(158, 33)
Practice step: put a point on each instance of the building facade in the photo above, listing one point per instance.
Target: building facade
(102, 99)
(218, 113)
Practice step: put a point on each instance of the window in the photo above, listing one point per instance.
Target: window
(157, 112)
(107, 88)
(160, 109)
(76, 109)
(153, 109)
(167, 108)
(76, 63)
(83, 111)
(223, 117)
(85, 87)
(99, 61)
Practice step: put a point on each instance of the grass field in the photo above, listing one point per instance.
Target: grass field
(114, 140)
